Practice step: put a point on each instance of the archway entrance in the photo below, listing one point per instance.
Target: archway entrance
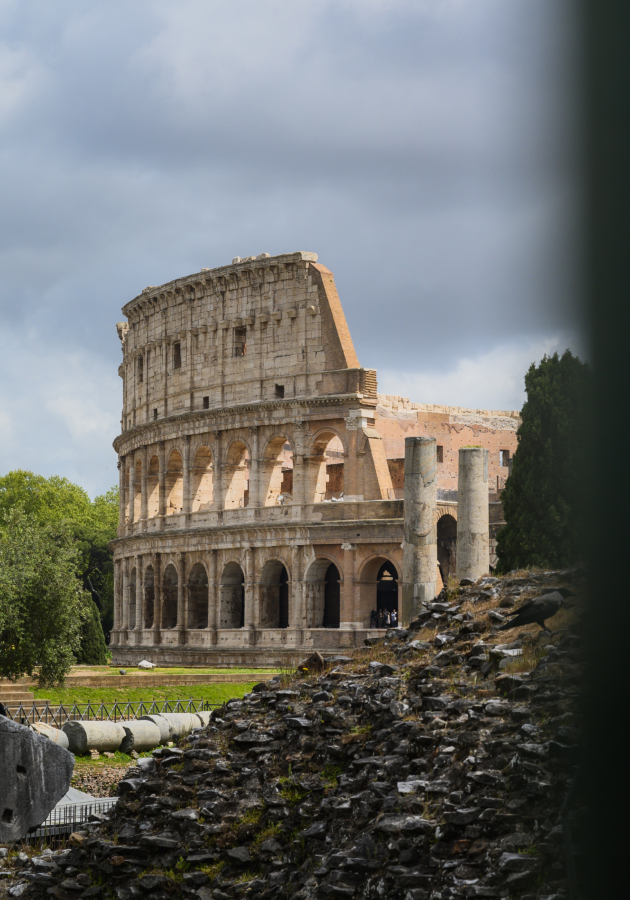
(198, 597)
(169, 597)
(149, 597)
(332, 597)
(447, 546)
(232, 610)
(379, 593)
(274, 595)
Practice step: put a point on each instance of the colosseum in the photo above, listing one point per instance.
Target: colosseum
(261, 472)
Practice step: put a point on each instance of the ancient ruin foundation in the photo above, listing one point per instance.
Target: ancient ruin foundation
(261, 474)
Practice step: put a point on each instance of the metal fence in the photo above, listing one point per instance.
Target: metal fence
(105, 712)
(69, 817)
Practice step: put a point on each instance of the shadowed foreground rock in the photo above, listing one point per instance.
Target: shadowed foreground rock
(35, 774)
(431, 772)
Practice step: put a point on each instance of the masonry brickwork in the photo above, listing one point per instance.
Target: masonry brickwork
(261, 507)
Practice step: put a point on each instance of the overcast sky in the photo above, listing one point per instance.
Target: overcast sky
(421, 147)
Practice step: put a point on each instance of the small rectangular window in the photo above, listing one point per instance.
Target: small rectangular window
(140, 369)
(240, 341)
(440, 453)
(155, 413)
(280, 391)
(206, 402)
(177, 355)
(504, 457)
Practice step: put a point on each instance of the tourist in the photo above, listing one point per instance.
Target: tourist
(394, 619)
(373, 619)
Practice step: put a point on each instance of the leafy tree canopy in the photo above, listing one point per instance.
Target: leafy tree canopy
(42, 601)
(93, 523)
(543, 497)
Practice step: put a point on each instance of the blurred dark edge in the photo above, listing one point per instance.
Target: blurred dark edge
(604, 863)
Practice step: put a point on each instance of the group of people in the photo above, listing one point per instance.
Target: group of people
(384, 618)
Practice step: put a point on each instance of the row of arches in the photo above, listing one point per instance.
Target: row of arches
(274, 473)
(322, 587)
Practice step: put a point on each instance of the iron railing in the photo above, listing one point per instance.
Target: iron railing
(69, 817)
(105, 712)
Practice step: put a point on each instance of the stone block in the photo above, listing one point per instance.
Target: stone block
(36, 774)
(101, 736)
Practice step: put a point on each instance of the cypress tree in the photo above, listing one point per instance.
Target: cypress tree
(543, 497)
(92, 650)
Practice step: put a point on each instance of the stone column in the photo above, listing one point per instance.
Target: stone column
(186, 476)
(213, 594)
(162, 479)
(250, 588)
(122, 498)
(125, 596)
(296, 599)
(139, 594)
(182, 599)
(218, 481)
(143, 488)
(157, 597)
(131, 494)
(473, 539)
(256, 471)
(420, 511)
(346, 598)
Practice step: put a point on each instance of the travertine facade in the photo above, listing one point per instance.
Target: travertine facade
(261, 473)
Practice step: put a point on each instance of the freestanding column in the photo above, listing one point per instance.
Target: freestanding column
(420, 511)
(473, 544)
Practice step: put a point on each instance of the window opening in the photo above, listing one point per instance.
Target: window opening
(504, 457)
(177, 355)
(155, 413)
(140, 369)
(440, 453)
(280, 391)
(240, 341)
(206, 402)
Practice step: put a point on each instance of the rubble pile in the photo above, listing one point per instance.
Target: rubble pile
(427, 769)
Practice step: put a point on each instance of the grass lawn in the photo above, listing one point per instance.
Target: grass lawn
(113, 670)
(213, 693)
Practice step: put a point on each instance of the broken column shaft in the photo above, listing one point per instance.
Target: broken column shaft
(473, 539)
(420, 510)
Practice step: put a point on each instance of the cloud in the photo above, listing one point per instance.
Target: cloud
(492, 380)
(422, 149)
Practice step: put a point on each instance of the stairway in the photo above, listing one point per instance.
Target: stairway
(16, 693)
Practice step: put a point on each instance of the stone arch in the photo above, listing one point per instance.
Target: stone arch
(153, 487)
(198, 597)
(321, 459)
(277, 471)
(202, 479)
(137, 489)
(274, 595)
(379, 581)
(323, 593)
(174, 483)
(132, 599)
(169, 597)
(447, 545)
(232, 608)
(236, 468)
(149, 597)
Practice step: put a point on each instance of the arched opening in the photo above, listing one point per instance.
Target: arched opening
(237, 476)
(137, 490)
(379, 593)
(132, 599)
(169, 597)
(174, 483)
(277, 472)
(198, 597)
(153, 487)
(149, 597)
(232, 609)
(274, 595)
(322, 594)
(331, 597)
(447, 546)
(201, 477)
(327, 468)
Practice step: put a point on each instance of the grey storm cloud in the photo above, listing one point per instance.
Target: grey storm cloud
(422, 149)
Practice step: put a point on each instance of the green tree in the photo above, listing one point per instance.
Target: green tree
(55, 500)
(42, 601)
(92, 649)
(542, 500)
